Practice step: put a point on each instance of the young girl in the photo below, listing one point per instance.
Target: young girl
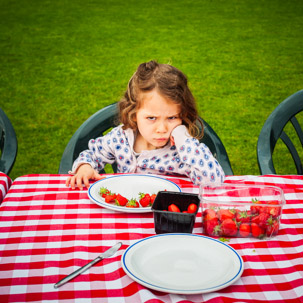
(158, 132)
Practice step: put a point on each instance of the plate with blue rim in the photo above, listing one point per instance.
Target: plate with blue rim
(130, 186)
(182, 263)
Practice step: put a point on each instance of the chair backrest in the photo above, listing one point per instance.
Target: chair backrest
(216, 146)
(105, 119)
(95, 126)
(8, 144)
(273, 129)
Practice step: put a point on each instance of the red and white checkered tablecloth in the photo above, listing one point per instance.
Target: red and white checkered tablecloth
(47, 231)
(5, 183)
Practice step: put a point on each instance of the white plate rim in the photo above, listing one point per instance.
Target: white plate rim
(126, 209)
(147, 284)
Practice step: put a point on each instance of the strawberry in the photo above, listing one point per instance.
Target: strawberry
(104, 191)
(272, 228)
(120, 200)
(110, 198)
(274, 211)
(145, 200)
(229, 228)
(209, 214)
(243, 216)
(224, 214)
(174, 208)
(255, 208)
(257, 231)
(244, 230)
(212, 227)
(132, 203)
(192, 208)
(261, 219)
(152, 198)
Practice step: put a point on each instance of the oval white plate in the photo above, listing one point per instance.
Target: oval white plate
(182, 263)
(129, 186)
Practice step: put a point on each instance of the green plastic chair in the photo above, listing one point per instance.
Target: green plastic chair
(94, 127)
(216, 146)
(8, 144)
(272, 131)
(106, 118)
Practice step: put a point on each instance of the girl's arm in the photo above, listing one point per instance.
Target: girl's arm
(92, 160)
(99, 153)
(196, 160)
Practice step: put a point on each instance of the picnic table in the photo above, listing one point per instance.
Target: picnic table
(48, 230)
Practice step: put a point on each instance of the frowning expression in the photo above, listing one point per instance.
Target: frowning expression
(156, 118)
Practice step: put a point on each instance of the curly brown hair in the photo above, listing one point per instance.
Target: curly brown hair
(170, 83)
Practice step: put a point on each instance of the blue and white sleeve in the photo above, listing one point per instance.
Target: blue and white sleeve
(196, 160)
(100, 152)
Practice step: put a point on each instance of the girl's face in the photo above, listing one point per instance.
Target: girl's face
(156, 118)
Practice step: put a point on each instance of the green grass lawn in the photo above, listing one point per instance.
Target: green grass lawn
(61, 61)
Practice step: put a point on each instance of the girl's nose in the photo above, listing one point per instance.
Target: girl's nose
(161, 127)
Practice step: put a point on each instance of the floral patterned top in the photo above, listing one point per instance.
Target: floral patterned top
(187, 157)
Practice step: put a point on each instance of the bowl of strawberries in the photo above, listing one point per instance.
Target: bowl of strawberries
(175, 212)
(237, 210)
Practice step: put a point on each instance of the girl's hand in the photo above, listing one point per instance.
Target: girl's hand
(172, 139)
(84, 173)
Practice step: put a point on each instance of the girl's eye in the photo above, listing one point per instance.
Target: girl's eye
(173, 118)
(151, 118)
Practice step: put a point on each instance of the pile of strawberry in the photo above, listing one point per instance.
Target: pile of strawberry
(258, 221)
(144, 199)
(191, 209)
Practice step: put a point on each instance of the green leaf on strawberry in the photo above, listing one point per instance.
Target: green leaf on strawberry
(132, 203)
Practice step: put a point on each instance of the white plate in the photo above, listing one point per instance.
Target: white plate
(130, 186)
(182, 263)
